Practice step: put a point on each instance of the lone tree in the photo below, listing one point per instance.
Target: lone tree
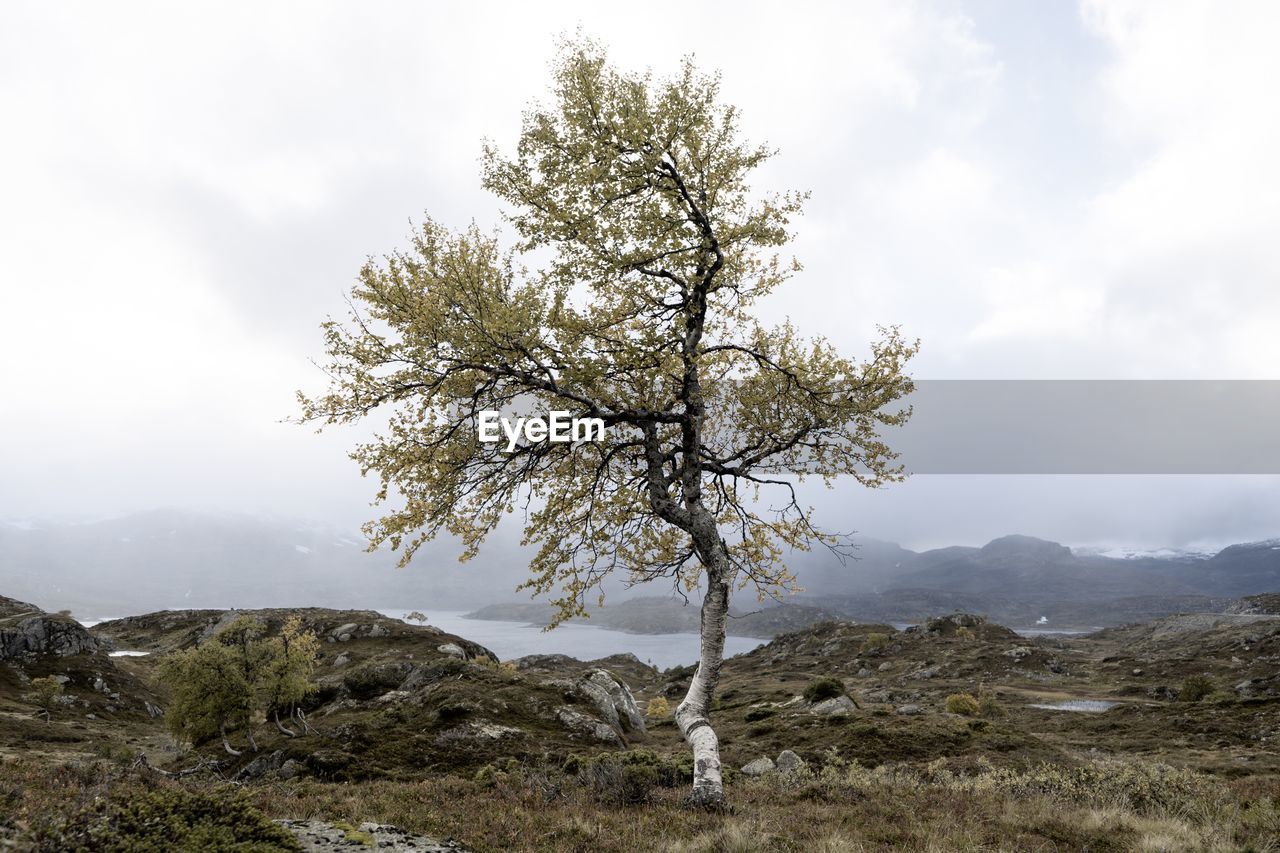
(46, 693)
(634, 193)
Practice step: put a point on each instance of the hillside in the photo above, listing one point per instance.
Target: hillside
(410, 705)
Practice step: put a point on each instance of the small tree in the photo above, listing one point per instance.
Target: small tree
(208, 693)
(636, 192)
(46, 693)
(219, 685)
(286, 677)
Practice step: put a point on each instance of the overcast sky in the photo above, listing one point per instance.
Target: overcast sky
(1036, 190)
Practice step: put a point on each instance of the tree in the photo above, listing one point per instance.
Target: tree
(635, 191)
(208, 693)
(224, 682)
(46, 693)
(286, 678)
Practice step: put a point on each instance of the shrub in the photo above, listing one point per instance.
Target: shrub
(962, 703)
(658, 708)
(824, 687)
(989, 705)
(628, 778)
(965, 633)
(167, 819)
(1195, 688)
(505, 669)
(46, 693)
(875, 642)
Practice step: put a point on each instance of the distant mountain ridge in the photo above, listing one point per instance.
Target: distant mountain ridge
(168, 558)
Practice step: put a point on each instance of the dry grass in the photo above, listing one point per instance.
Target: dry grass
(526, 810)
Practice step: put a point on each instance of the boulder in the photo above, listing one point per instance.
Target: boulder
(613, 700)
(789, 762)
(909, 710)
(43, 634)
(839, 706)
(453, 650)
(259, 767)
(759, 767)
(580, 723)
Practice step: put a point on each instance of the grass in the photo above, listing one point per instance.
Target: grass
(842, 806)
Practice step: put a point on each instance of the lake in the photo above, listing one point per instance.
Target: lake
(585, 642)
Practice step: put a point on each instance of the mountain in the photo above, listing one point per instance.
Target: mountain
(1021, 580)
(168, 558)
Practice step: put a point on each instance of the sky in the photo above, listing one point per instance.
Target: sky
(1036, 190)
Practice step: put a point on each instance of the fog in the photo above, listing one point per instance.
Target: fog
(1035, 191)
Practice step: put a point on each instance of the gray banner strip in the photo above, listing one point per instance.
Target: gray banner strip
(1091, 427)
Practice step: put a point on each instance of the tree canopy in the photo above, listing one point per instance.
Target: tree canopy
(633, 194)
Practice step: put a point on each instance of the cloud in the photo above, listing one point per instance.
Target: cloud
(190, 188)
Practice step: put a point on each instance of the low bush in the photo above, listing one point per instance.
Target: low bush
(964, 704)
(1195, 688)
(166, 819)
(822, 688)
(875, 642)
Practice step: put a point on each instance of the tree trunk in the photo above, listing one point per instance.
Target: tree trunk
(226, 744)
(302, 718)
(248, 731)
(692, 715)
(284, 730)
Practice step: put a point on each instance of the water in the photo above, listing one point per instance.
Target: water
(1083, 706)
(127, 654)
(586, 642)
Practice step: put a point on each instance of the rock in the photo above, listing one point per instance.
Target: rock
(378, 631)
(576, 721)
(316, 836)
(839, 706)
(926, 673)
(545, 662)
(341, 660)
(453, 650)
(344, 631)
(259, 767)
(62, 679)
(289, 769)
(1137, 671)
(885, 667)
(375, 679)
(864, 673)
(42, 634)
(613, 700)
(909, 710)
(1248, 687)
(479, 730)
(789, 762)
(100, 685)
(1055, 666)
(1018, 652)
(759, 767)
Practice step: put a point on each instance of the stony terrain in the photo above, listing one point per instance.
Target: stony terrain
(407, 704)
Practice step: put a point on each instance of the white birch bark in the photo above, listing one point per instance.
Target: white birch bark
(693, 714)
